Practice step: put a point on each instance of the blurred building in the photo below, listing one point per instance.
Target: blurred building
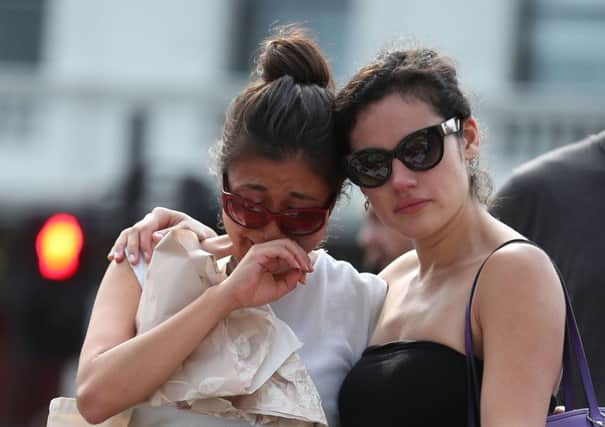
(72, 73)
(107, 108)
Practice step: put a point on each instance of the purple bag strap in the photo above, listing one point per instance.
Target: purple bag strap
(573, 344)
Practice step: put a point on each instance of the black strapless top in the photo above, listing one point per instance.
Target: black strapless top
(407, 383)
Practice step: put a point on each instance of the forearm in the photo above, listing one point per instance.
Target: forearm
(128, 373)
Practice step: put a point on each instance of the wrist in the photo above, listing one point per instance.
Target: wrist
(224, 299)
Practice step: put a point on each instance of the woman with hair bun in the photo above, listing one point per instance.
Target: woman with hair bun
(281, 175)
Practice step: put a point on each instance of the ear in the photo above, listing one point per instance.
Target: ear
(470, 134)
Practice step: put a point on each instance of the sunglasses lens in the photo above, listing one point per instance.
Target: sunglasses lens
(422, 150)
(244, 213)
(370, 168)
(301, 223)
(292, 221)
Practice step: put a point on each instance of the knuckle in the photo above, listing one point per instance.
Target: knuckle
(160, 211)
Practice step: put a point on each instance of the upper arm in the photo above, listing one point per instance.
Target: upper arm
(112, 320)
(520, 311)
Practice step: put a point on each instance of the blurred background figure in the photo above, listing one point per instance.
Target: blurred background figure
(558, 201)
(379, 244)
(107, 109)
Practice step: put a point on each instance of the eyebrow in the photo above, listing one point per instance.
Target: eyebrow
(293, 194)
(302, 196)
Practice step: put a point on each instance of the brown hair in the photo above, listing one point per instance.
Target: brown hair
(419, 73)
(286, 109)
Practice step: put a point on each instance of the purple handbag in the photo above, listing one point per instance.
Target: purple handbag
(585, 417)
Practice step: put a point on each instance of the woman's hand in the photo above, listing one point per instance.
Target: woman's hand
(267, 272)
(148, 231)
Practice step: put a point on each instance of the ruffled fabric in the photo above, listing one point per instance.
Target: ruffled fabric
(247, 367)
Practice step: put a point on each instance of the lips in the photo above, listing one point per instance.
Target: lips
(410, 206)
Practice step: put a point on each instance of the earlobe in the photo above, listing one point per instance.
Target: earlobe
(472, 141)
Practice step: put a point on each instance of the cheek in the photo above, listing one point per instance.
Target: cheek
(450, 185)
(239, 237)
(381, 199)
(308, 243)
(455, 161)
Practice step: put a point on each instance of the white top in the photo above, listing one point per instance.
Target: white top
(334, 315)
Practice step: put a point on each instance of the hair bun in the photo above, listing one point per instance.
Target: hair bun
(292, 52)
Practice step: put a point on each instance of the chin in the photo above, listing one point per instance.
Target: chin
(239, 251)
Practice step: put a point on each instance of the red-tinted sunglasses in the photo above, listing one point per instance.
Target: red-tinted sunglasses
(295, 222)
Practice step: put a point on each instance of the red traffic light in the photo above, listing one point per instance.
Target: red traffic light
(58, 246)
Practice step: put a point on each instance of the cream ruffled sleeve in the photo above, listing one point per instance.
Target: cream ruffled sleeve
(247, 367)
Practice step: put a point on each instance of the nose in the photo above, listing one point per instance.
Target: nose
(401, 176)
(271, 231)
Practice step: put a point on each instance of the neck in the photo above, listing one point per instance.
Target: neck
(460, 240)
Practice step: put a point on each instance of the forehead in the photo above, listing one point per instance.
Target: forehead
(385, 122)
(281, 178)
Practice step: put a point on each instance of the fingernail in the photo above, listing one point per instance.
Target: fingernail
(131, 258)
(146, 255)
(110, 255)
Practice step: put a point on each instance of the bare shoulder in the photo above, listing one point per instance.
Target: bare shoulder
(112, 320)
(520, 274)
(522, 262)
(399, 266)
(119, 285)
(519, 313)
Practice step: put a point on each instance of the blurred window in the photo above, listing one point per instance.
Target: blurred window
(21, 27)
(20, 31)
(561, 42)
(253, 20)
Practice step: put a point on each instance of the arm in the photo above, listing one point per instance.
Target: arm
(143, 235)
(519, 319)
(119, 368)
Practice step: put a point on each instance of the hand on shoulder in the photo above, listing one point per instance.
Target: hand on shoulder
(142, 236)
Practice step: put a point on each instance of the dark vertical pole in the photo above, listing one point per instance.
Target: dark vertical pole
(135, 181)
(523, 60)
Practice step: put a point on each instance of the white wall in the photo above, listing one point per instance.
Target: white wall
(478, 34)
(101, 59)
(139, 41)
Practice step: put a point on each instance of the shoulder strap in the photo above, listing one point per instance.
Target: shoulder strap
(573, 345)
(473, 383)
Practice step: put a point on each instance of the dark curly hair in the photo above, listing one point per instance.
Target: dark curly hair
(419, 73)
